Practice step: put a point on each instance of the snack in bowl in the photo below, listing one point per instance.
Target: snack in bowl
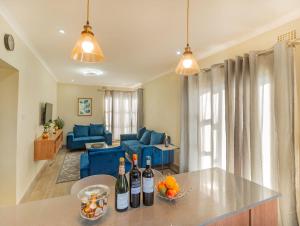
(168, 187)
(94, 200)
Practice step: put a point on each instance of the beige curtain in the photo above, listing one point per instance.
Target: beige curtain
(140, 108)
(259, 106)
(297, 128)
(203, 141)
(260, 123)
(120, 112)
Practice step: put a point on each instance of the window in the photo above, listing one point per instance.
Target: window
(212, 138)
(120, 112)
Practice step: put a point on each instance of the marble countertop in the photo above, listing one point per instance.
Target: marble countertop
(214, 195)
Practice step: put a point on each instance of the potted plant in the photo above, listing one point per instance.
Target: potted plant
(59, 123)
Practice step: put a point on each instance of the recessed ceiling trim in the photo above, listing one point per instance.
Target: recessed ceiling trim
(21, 35)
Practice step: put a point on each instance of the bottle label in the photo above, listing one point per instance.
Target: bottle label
(148, 185)
(121, 170)
(122, 201)
(135, 187)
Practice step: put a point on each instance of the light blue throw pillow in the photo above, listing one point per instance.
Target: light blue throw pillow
(96, 130)
(140, 132)
(146, 137)
(81, 131)
(156, 138)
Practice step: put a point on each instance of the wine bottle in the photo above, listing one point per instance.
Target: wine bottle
(166, 140)
(148, 184)
(135, 184)
(121, 189)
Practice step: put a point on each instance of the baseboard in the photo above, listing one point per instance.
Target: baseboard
(33, 182)
(174, 167)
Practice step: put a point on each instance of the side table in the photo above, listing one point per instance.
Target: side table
(162, 149)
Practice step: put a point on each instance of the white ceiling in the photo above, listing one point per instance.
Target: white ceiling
(139, 37)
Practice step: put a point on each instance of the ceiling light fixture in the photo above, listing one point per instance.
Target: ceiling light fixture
(87, 48)
(92, 73)
(61, 31)
(188, 64)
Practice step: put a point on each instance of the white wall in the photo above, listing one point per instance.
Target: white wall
(36, 86)
(67, 101)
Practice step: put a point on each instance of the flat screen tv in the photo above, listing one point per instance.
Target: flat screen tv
(47, 116)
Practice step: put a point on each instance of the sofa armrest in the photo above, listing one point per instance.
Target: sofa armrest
(70, 134)
(70, 138)
(84, 165)
(124, 137)
(108, 137)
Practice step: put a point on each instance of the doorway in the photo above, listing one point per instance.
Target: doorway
(9, 80)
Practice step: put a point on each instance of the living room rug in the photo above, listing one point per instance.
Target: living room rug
(70, 170)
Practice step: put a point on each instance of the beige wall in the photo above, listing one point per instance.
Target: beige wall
(162, 106)
(162, 95)
(67, 100)
(8, 131)
(36, 86)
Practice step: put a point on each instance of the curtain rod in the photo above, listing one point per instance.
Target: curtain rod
(117, 90)
(268, 51)
(262, 52)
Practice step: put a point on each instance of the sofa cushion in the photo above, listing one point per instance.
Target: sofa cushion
(97, 130)
(156, 138)
(84, 161)
(81, 131)
(130, 142)
(140, 132)
(91, 138)
(146, 137)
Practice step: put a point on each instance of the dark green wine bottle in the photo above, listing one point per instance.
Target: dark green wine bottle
(148, 184)
(121, 189)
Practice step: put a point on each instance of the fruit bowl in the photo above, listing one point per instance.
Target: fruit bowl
(169, 189)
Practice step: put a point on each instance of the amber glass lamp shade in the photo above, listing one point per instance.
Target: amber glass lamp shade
(87, 48)
(187, 65)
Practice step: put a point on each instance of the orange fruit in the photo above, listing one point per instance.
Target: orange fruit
(171, 193)
(170, 182)
(161, 185)
(177, 188)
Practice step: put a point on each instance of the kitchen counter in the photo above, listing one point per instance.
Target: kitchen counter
(214, 198)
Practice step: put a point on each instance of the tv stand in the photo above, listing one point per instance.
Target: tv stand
(46, 149)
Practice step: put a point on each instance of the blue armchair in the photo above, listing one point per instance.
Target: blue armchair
(102, 161)
(87, 134)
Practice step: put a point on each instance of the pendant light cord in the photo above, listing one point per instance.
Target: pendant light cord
(187, 22)
(88, 12)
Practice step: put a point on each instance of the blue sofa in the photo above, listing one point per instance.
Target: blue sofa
(142, 144)
(83, 134)
(102, 161)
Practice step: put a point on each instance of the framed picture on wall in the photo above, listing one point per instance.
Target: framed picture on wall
(85, 106)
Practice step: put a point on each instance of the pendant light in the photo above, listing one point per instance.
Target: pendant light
(87, 48)
(188, 64)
